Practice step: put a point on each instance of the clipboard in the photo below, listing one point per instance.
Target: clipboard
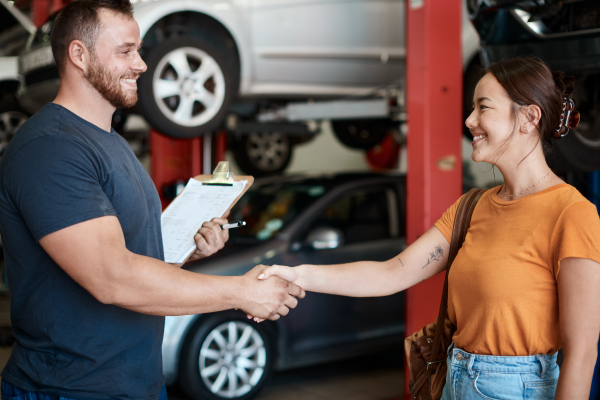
(204, 197)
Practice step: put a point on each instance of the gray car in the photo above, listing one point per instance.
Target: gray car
(294, 220)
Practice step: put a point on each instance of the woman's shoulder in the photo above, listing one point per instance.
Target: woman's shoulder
(565, 195)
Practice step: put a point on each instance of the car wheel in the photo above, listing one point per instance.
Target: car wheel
(263, 153)
(11, 118)
(581, 147)
(361, 134)
(187, 88)
(226, 357)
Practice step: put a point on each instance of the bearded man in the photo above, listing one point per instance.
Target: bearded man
(80, 225)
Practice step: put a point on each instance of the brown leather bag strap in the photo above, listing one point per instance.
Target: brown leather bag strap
(462, 221)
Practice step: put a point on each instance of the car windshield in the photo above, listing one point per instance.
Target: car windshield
(269, 208)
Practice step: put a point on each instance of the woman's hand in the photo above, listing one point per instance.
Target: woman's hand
(290, 274)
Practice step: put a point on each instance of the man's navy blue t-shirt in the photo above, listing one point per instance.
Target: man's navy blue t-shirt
(60, 170)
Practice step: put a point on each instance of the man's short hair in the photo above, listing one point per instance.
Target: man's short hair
(80, 20)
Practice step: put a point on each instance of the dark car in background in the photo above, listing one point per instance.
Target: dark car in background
(294, 220)
(566, 34)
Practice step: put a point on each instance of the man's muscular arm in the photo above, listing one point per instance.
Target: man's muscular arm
(93, 253)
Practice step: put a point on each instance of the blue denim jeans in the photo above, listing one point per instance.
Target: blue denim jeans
(473, 376)
(12, 392)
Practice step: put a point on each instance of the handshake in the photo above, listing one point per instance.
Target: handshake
(270, 292)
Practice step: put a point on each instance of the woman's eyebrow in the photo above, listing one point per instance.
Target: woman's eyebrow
(479, 100)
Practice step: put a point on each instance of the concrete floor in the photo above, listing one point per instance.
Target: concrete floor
(376, 377)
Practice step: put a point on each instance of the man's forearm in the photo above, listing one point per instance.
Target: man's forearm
(150, 286)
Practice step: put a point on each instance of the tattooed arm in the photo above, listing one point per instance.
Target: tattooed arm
(424, 258)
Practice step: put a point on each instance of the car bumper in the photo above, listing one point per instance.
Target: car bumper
(175, 330)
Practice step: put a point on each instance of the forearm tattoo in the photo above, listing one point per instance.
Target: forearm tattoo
(435, 255)
(401, 263)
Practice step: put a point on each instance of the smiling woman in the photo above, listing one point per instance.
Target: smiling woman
(524, 283)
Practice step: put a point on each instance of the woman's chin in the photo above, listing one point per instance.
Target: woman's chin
(478, 157)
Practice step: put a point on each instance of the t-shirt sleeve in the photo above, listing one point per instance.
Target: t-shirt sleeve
(446, 223)
(55, 182)
(577, 234)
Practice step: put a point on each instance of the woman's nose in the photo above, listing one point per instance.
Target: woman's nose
(471, 121)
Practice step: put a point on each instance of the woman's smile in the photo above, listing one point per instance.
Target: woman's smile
(478, 138)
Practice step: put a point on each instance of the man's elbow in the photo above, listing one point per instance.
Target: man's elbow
(110, 285)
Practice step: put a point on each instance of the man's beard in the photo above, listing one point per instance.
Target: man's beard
(109, 86)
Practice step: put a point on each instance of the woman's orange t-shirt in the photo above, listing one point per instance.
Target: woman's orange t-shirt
(503, 295)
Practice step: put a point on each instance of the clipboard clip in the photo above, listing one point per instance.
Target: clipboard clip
(221, 175)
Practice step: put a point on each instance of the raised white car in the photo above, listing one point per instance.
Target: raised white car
(210, 59)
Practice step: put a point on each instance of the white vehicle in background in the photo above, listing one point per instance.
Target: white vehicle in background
(15, 28)
(220, 63)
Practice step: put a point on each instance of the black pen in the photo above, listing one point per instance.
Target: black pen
(234, 224)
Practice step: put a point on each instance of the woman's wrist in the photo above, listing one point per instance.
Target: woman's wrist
(302, 276)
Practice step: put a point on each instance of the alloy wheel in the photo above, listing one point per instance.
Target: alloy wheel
(188, 86)
(268, 151)
(232, 360)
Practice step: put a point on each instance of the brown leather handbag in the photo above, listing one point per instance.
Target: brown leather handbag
(426, 349)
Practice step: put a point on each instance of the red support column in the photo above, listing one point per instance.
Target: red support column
(434, 106)
(172, 161)
(220, 147)
(40, 10)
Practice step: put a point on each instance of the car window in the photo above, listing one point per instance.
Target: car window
(270, 208)
(13, 35)
(361, 216)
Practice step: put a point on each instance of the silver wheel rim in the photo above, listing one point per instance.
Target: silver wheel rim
(188, 86)
(10, 121)
(232, 360)
(268, 151)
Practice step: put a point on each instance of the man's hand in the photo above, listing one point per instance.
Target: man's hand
(210, 238)
(271, 298)
(287, 273)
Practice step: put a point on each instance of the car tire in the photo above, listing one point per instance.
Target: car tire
(263, 153)
(226, 356)
(580, 149)
(361, 134)
(188, 86)
(11, 118)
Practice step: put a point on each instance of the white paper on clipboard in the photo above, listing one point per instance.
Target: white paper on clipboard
(196, 204)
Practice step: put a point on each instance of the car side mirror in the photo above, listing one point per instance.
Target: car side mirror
(325, 238)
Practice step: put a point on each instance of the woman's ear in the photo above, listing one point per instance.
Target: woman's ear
(531, 118)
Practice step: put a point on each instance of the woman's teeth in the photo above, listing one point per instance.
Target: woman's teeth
(478, 137)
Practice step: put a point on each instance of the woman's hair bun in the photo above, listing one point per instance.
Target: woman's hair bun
(564, 83)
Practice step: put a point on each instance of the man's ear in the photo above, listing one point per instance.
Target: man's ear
(531, 118)
(79, 55)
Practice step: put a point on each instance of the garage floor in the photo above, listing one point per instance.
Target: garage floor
(377, 377)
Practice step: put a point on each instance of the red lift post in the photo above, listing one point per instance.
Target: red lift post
(434, 108)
